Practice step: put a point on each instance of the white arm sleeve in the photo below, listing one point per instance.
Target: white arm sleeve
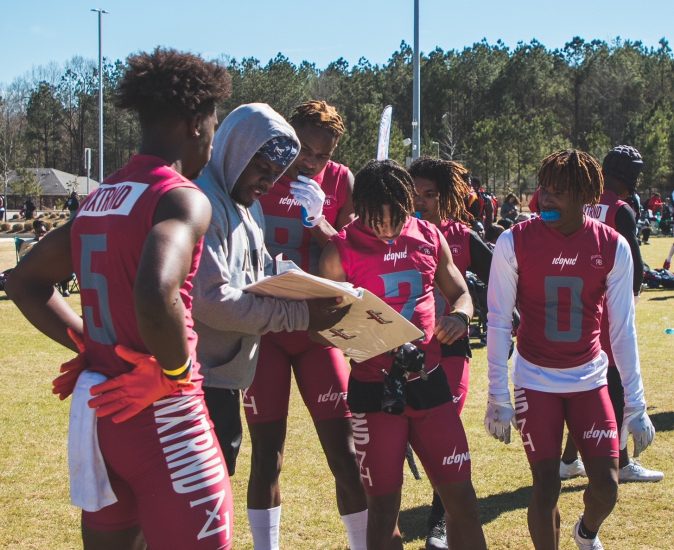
(501, 298)
(622, 329)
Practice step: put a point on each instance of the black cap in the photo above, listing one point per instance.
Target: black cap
(625, 163)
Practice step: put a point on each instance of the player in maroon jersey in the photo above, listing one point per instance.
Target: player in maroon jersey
(621, 168)
(135, 245)
(562, 270)
(400, 258)
(439, 190)
(303, 209)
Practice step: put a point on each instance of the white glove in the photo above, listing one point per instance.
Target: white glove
(636, 422)
(499, 416)
(311, 197)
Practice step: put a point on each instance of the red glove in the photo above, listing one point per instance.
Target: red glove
(667, 264)
(128, 394)
(64, 384)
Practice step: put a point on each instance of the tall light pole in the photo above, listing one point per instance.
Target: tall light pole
(100, 12)
(416, 88)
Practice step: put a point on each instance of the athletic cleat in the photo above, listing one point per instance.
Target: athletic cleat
(583, 543)
(575, 469)
(437, 536)
(636, 472)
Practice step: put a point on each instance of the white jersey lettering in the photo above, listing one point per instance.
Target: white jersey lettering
(113, 200)
(598, 434)
(456, 458)
(214, 516)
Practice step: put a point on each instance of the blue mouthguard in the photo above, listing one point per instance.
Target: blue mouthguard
(550, 215)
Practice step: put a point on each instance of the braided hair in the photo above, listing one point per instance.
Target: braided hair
(577, 171)
(452, 180)
(382, 182)
(320, 114)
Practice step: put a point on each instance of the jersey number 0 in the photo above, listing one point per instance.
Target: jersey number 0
(553, 286)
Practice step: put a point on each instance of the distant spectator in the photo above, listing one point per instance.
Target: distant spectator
(510, 209)
(492, 233)
(481, 204)
(72, 204)
(39, 231)
(505, 223)
(29, 208)
(644, 230)
(2, 207)
(478, 227)
(654, 204)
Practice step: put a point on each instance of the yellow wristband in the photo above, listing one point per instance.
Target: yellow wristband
(181, 372)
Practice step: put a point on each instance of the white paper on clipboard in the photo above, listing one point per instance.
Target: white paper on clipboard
(292, 283)
(370, 328)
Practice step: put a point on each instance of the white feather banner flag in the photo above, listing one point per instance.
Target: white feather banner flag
(384, 133)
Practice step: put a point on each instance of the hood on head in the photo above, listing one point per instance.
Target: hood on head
(243, 132)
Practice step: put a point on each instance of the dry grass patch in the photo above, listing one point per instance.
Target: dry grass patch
(33, 471)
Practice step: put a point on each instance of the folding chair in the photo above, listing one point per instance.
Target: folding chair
(18, 243)
(72, 285)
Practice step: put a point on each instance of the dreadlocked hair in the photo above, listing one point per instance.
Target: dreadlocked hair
(382, 182)
(452, 180)
(167, 82)
(577, 171)
(320, 114)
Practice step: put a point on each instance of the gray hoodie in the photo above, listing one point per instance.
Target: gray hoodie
(229, 322)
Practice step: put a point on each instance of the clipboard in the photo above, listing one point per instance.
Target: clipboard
(370, 328)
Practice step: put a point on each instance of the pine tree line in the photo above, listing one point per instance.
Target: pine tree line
(498, 110)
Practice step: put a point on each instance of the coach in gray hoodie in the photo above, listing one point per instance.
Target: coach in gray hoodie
(252, 148)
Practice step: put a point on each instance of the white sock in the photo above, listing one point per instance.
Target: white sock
(265, 526)
(356, 529)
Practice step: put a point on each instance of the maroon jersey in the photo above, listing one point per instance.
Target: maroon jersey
(284, 232)
(107, 239)
(560, 289)
(605, 211)
(401, 273)
(457, 235)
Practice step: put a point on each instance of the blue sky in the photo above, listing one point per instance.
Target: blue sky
(37, 32)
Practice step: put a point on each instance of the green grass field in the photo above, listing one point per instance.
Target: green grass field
(36, 513)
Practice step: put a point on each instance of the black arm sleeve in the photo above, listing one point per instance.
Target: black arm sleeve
(626, 225)
(480, 257)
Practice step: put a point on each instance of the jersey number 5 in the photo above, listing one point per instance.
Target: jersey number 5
(105, 333)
